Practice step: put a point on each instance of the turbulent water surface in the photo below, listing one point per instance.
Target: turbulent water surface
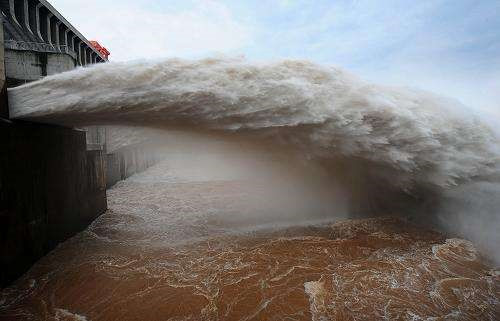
(176, 245)
(266, 238)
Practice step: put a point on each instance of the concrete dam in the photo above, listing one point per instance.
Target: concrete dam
(53, 179)
(226, 189)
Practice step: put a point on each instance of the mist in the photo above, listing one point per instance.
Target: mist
(283, 188)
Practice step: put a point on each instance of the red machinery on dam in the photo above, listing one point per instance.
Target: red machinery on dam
(100, 48)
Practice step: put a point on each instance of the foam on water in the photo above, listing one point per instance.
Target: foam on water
(62, 314)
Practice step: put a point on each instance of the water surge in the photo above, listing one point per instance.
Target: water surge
(393, 149)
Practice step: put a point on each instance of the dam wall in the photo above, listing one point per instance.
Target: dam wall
(51, 188)
(130, 160)
(26, 66)
(52, 179)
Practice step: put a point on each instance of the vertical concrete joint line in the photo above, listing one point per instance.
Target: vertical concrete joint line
(4, 108)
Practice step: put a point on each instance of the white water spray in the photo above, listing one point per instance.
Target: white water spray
(399, 138)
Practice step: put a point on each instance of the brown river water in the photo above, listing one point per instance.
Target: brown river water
(178, 244)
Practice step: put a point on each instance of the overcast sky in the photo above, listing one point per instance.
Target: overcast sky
(446, 46)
